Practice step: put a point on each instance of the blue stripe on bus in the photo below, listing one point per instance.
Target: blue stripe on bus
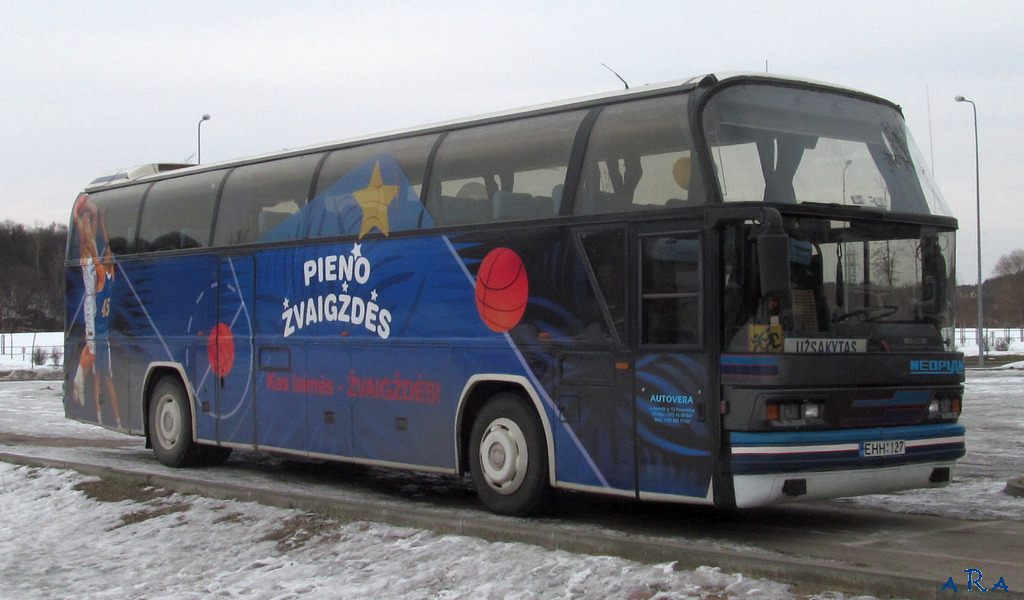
(825, 451)
(841, 436)
(750, 365)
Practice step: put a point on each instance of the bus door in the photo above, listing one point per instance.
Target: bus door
(231, 352)
(594, 378)
(676, 427)
(593, 397)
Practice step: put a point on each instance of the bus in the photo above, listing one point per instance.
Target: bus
(733, 290)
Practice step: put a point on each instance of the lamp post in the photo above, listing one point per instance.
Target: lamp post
(977, 191)
(845, 167)
(199, 143)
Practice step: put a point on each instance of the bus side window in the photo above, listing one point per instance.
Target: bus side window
(119, 217)
(177, 213)
(504, 171)
(638, 157)
(401, 163)
(670, 308)
(260, 196)
(411, 154)
(606, 252)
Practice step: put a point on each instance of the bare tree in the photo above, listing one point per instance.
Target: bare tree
(32, 280)
(1010, 264)
(885, 261)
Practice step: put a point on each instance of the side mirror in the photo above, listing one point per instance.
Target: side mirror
(773, 257)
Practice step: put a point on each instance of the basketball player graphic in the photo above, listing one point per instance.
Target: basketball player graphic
(97, 271)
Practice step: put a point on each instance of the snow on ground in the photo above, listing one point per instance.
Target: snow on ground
(16, 349)
(994, 417)
(64, 542)
(65, 535)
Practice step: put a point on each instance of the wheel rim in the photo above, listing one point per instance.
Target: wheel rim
(168, 422)
(504, 456)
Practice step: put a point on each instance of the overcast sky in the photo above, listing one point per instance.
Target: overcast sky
(87, 88)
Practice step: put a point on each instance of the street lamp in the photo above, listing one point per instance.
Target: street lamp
(199, 150)
(845, 167)
(977, 191)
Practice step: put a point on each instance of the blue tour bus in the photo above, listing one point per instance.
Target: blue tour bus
(734, 290)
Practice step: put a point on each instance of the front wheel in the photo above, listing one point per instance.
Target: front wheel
(508, 457)
(170, 424)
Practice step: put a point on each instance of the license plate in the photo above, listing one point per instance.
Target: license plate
(883, 448)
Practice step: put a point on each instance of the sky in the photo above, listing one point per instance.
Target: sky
(90, 87)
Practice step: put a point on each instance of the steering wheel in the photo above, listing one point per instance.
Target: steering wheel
(871, 313)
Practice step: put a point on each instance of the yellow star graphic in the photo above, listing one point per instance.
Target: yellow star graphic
(375, 199)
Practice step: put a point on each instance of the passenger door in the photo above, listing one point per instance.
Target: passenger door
(594, 380)
(676, 426)
(231, 352)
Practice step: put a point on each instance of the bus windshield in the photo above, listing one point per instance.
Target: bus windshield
(879, 286)
(789, 145)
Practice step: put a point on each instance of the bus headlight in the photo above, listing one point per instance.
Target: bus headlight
(812, 410)
(795, 412)
(944, 406)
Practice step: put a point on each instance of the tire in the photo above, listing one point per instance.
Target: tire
(170, 424)
(508, 458)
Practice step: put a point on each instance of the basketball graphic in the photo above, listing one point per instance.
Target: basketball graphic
(502, 289)
(220, 348)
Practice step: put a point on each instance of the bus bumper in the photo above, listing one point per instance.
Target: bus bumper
(775, 467)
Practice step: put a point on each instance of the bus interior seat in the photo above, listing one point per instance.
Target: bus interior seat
(462, 211)
(472, 189)
(805, 311)
(604, 202)
(194, 238)
(513, 206)
(168, 241)
(807, 293)
(119, 244)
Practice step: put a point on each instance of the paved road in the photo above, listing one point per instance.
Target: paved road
(815, 546)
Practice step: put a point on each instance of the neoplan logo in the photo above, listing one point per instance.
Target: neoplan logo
(936, 367)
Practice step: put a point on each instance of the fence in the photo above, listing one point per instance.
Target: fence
(995, 338)
(26, 349)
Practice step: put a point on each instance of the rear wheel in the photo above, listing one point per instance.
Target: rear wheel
(508, 457)
(170, 424)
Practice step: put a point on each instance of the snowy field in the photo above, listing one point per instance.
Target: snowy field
(57, 541)
(994, 418)
(16, 349)
(64, 535)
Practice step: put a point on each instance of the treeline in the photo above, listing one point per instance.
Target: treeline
(32, 283)
(1001, 302)
(1000, 298)
(32, 277)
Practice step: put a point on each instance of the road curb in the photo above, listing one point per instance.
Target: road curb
(1015, 487)
(805, 574)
